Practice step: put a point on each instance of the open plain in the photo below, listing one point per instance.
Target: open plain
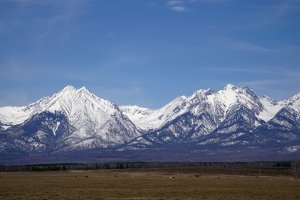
(118, 184)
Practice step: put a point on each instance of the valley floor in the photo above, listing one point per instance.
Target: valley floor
(119, 184)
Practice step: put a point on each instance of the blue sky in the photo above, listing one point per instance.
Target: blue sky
(147, 52)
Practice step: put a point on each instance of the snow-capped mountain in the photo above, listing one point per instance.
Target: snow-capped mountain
(216, 103)
(270, 108)
(45, 131)
(221, 117)
(97, 122)
(13, 115)
(283, 127)
(136, 113)
(232, 119)
(293, 102)
(158, 118)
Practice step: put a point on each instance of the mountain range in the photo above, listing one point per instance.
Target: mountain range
(233, 123)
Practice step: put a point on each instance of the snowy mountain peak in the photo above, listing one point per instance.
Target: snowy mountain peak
(201, 101)
(230, 86)
(240, 89)
(178, 100)
(84, 89)
(231, 95)
(80, 119)
(68, 89)
(71, 101)
(135, 113)
(135, 107)
(204, 92)
(266, 98)
(296, 97)
(94, 119)
(294, 102)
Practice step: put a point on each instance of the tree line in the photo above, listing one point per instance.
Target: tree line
(238, 168)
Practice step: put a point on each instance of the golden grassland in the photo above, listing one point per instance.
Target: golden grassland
(109, 184)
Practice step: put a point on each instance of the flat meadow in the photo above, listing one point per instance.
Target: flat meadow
(124, 184)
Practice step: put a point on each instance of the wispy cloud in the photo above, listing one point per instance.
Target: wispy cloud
(175, 2)
(182, 5)
(251, 47)
(54, 22)
(238, 45)
(246, 70)
(270, 14)
(20, 1)
(283, 71)
(179, 5)
(214, 1)
(179, 8)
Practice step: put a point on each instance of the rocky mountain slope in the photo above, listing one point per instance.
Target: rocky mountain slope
(233, 120)
(95, 122)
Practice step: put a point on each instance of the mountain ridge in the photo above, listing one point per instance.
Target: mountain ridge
(232, 119)
(93, 117)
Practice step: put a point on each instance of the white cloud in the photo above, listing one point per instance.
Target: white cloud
(178, 8)
(214, 1)
(175, 3)
(182, 5)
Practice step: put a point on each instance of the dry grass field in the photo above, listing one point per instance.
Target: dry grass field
(143, 185)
